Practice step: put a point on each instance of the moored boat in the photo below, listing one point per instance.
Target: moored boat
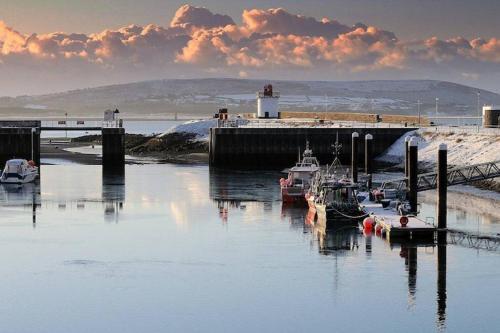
(333, 195)
(19, 171)
(298, 182)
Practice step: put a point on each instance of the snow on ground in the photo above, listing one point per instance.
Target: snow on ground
(463, 148)
(200, 128)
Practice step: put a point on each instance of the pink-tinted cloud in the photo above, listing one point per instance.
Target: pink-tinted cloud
(268, 41)
(280, 21)
(189, 16)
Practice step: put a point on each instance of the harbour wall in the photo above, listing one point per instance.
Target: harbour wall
(273, 148)
(19, 140)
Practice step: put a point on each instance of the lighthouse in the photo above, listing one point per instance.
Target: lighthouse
(267, 103)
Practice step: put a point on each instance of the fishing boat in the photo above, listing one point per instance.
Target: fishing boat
(298, 182)
(19, 171)
(334, 196)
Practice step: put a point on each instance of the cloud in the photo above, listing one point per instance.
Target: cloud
(281, 22)
(267, 43)
(189, 16)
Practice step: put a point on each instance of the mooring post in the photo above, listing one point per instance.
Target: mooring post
(368, 158)
(442, 185)
(407, 142)
(412, 174)
(354, 157)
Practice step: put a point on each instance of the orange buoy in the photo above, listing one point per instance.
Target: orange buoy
(378, 229)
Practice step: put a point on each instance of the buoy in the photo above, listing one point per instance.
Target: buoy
(378, 229)
(404, 221)
(368, 223)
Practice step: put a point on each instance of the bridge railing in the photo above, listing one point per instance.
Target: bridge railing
(82, 123)
(455, 176)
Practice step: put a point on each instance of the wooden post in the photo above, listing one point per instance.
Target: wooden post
(368, 158)
(442, 185)
(354, 156)
(412, 174)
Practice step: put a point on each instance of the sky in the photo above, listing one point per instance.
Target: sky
(57, 45)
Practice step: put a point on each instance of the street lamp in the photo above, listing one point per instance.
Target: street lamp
(478, 109)
(418, 111)
(33, 130)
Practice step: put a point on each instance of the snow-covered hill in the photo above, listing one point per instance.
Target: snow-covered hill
(204, 96)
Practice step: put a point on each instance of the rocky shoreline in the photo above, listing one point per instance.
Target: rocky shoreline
(171, 147)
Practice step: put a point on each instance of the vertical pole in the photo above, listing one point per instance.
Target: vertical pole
(441, 286)
(32, 144)
(368, 158)
(413, 173)
(407, 142)
(354, 157)
(442, 184)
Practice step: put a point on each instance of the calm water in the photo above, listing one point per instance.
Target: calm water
(183, 249)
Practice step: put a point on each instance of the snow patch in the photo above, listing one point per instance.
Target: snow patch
(463, 148)
(200, 128)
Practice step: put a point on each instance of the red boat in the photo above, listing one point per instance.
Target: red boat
(295, 187)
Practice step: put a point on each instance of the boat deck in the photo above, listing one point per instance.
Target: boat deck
(388, 219)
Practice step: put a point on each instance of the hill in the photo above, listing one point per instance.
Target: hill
(200, 97)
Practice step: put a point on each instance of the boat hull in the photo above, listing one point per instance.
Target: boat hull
(18, 179)
(334, 217)
(289, 195)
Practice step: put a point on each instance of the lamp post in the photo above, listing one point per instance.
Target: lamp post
(437, 106)
(418, 111)
(66, 123)
(478, 109)
(33, 130)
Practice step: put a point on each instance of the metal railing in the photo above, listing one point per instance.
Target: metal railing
(455, 176)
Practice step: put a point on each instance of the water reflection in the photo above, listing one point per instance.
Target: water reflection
(113, 192)
(441, 286)
(335, 239)
(233, 190)
(410, 255)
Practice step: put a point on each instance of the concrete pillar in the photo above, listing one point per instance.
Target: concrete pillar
(369, 158)
(412, 174)
(113, 147)
(354, 156)
(407, 142)
(442, 186)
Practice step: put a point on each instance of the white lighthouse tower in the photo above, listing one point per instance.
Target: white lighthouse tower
(267, 103)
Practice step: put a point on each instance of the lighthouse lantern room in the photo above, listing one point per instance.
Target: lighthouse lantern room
(267, 103)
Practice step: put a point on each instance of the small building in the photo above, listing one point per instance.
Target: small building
(268, 103)
(110, 115)
(491, 116)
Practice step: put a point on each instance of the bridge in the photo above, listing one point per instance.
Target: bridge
(79, 125)
(455, 176)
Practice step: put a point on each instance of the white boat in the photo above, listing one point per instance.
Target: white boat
(19, 171)
(294, 188)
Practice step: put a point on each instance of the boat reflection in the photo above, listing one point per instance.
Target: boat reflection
(25, 195)
(298, 218)
(337, 239)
